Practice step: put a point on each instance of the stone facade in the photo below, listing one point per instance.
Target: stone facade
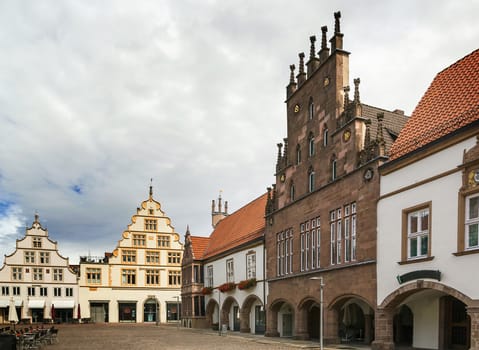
(321, 211)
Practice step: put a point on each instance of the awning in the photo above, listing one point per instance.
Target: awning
(63, 304)
(6, 303)
(36, 304)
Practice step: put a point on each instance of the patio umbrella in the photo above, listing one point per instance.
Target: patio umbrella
(52, 313)
(12, 313)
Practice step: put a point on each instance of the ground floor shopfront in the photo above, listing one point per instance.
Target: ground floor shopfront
(427, 314)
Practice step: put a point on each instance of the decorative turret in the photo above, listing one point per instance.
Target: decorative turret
(301, 77)
(358, 111)
(218, 215)
(324, 52)
(337, 39)
(380, 136)
(313, 62)
(292, 86)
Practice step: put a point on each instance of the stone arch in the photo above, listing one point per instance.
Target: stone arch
(210, 312)
(354, 317)
(399, 295)
(307, 318)
(245, 312)
(225, 312)
(280, 310)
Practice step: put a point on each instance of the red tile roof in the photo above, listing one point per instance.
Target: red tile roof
(199, 245)
(242, 226)
(450, 103)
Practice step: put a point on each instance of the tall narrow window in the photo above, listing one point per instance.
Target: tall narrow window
(284, 252)
(332, 226)
(347, 234)
(230, 276)
(338, 235)
(291, 191)
(353, 231)
(472, 222)
(310, 179)
(311, 144)
(318, 242)
(302, 235)
(311, 109)
(209, 276)
(251, 265)
(416, 232)
(298, 154)
(333, 169)
(325, 136)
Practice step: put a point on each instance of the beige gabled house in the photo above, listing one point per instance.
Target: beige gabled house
(140, 281)
(38, 279)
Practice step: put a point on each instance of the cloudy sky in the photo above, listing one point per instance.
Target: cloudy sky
(97, 97)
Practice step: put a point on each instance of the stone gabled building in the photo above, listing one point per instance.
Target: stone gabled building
(428, 220)
(38, 279)
(321, 210)
(140, 281)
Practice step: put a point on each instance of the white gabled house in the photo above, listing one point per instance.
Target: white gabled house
(428, 220)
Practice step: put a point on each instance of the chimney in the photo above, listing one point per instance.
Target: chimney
(301, 77)
(218, 215)
(313, 62)
(337, 39)
(291, 88)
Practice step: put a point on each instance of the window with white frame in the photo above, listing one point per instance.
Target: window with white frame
(16, 290)
(338, 235)
(5, 290)
(310, 244)
(332, 228)
(69, 292)
(31, 291)
(291, 191)
(57, 292)
(347, 233)
(418, 233)
(353, 232)
(128, 277)
(311, 109)
(152, 257)
(93, 275)
(298, 154)
(139, 240)
(230, 275)
(152, 276)
(43, 291)
(471, 238)
(209, 276)
(251, 265)
(284, 252)
(333, 169)
(128, 256)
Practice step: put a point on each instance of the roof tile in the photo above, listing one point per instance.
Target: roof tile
(450, 102)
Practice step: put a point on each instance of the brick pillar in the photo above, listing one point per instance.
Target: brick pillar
(368, 336)
(331, 326)
(271, 323)
(384, 330)
(244, 320)
(473, 313)
(301, 324)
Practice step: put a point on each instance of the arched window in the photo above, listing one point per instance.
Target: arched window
(310, 179)
(311, 108)
(325, 136)
(291, 191)
(298, 154)
(333, 168)
(311, 144)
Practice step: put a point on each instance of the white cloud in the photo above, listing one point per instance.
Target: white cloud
(12, 222)
(102, 96)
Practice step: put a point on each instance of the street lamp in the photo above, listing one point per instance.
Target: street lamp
(320, 310)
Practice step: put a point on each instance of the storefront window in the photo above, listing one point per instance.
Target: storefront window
(127, 312)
